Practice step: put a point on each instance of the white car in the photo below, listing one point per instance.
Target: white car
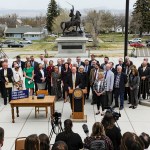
(135, 40)
(25, 42)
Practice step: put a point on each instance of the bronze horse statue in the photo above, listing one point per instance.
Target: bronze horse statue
(75, 22)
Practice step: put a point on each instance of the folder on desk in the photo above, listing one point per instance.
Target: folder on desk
(40, 96)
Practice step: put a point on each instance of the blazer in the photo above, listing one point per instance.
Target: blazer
(144, 73)
(109, 80)
(9, 75)
(39, 76)
(134, 81)
(123, 81)
(36, 64)
(84, 79)
(77, 83)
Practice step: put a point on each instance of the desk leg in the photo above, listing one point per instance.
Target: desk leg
(52, 107)
(13, 116)
(17, 110)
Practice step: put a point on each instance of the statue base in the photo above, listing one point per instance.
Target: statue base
(72, 46)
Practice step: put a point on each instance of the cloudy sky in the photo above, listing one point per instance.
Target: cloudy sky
(79, 4)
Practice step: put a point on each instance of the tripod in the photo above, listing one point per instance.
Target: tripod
(56, 128)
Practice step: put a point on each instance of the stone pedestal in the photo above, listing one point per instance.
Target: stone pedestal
(72, 46)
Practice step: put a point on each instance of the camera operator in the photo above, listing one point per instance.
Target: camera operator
(145, 139)
(98, 139)
(111, 130)
(73, 140)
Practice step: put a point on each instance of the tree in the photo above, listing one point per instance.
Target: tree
(141, 15)
(52, 13)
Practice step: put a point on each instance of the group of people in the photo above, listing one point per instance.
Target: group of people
(106, 81)
(105, 136)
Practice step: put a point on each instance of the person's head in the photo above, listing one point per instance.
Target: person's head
(56, 69)
(127, 58)
(108, 121)
(119, 69)
(74, 64)
(60, 145)
(15, 63)
(144, 64)
(108, 67)
(45, 61)
(27, 58)
(94, 63)
(1, 136)
(100, 75)
(133, 67)
(92, 56)
(120, 61)
(135, 72)
(66, 66)
(145, 139)
(68, 126)
(27, 64)
(5, 65)
(18, 58)
(51, 62)
(111, 64)
(78, 58)
(69, 60)
(44, 142)
(74, 70)
(106, 60)
(32, 142)
(130, 141)
(81, 69)
(145, 59)
(97, 66)
(59, 62)
(98, 129)
(42, 57)
(5, 60)
(62, 61)
(86, 62)
(32, 58)
(16, 67)
(40, 66)
(128, 63)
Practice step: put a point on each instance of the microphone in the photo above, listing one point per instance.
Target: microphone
(85, 129)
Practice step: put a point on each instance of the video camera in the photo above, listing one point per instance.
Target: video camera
(56, 118)
(115, 114)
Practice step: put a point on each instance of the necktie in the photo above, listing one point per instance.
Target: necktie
(106, 75)
(95, 75)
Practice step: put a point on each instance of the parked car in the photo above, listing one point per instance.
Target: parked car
(25, 42)
(8, 41)
(147, 41)
(1, 45)
(137, 45)
(148, 44)
(15, 44)
(135, 40)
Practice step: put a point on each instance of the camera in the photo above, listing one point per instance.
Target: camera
(56, 118)
(115, 114)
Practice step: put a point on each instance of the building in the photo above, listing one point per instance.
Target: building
(119, 29)
(31, 33)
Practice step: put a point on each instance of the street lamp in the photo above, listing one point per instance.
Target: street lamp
(126, 29)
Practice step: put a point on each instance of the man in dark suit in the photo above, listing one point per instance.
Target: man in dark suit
(6, 75)
(144, 73)
(60, 66)
(79, 62)
(119, 87)
(20, 63)
(103, 65)
(35, 65)
(121, 63)
(74, 81)
(92, 58)
(87, 69)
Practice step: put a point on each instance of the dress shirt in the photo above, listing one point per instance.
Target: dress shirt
(42, 72)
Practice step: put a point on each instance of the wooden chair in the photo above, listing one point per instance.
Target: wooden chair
(45, 92)
(19, 143)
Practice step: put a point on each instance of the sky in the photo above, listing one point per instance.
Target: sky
(79, 4)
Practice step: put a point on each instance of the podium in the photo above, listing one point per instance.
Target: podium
(78, 105)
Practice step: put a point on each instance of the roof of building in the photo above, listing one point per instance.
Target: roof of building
(23, 29)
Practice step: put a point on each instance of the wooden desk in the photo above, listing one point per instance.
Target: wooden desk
(48, 101)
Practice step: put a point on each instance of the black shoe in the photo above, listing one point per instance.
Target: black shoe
(134, 107)
(131, 106)
(115, 106)
(121, 108)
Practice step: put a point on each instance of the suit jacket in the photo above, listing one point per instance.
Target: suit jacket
(144, 73)
(109, 79)
(9, 75)
(49, 71)
(35, 66)
(39, 75)
(84, 79)
(77, 83)
(123, 81)
(134, 81)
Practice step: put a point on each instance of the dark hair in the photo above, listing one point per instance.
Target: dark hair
(98, 65)
(68, 126)
(145, 139)
(108, 121)
(98, 129)
(18, 56)
(106, 57)
(27, 63)
(136, 71)
(32, 142)
(65, 64)
(44, 142)
(1, 135)
(130, 141)
(14, 62)
(60, 145)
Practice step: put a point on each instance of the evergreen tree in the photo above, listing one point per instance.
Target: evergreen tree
(52, 13)
(141, 15)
